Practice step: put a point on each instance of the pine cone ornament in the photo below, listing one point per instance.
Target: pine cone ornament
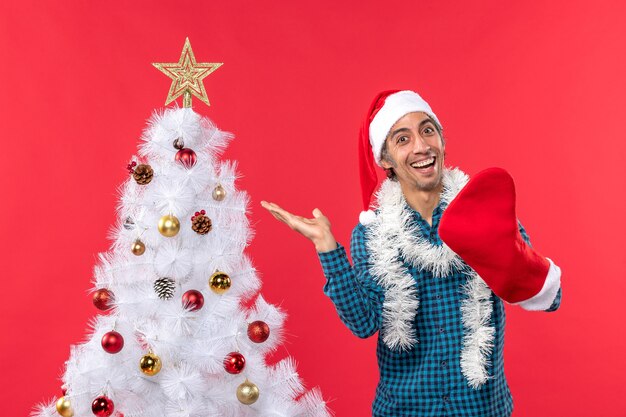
(200, 223)
(164, 287)
(143, 174)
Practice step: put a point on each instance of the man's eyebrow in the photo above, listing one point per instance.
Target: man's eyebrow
(402, 129)
(406, 129)
(425, 121)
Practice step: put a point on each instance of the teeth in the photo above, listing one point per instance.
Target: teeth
(423, 163)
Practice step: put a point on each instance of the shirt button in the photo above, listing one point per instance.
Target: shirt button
(444, 364)
(441, 330)
(438, 297)
(445, 398)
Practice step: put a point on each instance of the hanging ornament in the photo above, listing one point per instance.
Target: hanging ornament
(150, 364)
(112, 342)
(138, 248)
(219, 193)
(64, 407)
(164, 287)
(200, 223)
(193, 300)
(179, 144)
(103, 299)
(247, 393)
(258, 331)
(143, 174)
(169, 225)
(187, 157)
(234, 363)
(129, 223)
(219, 282)
(102, 406)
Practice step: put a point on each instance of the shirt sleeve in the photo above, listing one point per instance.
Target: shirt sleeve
(356, 296)
(554, 274)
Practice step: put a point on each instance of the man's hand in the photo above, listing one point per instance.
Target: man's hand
(317, 229)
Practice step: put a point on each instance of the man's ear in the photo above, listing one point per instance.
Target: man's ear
(385, 164)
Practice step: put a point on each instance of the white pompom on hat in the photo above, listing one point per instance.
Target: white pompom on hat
(386, 109)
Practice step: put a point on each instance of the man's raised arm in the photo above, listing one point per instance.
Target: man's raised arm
(356, 296)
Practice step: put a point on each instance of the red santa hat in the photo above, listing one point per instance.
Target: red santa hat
(386, 109)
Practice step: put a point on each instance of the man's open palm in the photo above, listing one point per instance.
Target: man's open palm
(316, 229)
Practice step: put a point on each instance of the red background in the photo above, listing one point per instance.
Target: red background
(533, 87)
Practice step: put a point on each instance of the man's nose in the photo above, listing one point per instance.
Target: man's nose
(420, 145)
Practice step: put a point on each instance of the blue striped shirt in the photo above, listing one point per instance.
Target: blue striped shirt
(426, 380)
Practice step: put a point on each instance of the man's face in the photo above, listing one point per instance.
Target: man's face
(415, 150)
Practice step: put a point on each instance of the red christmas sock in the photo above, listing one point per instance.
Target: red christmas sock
(481, 227)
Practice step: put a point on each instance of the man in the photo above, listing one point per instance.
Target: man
(438, 308)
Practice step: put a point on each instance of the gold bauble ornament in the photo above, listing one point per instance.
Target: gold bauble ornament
(247, 393)
(138, 247)
(169, 225)
(64, 407)
(150, 364)
(219, 282)
(219, 193)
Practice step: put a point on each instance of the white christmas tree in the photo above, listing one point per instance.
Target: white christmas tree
(174, 338)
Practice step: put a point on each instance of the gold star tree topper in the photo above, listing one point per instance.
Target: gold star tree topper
(187, 76)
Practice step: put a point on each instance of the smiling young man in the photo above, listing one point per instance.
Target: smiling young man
(438, 308)
(413, 155)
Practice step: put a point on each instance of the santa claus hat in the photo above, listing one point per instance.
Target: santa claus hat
(386, 109)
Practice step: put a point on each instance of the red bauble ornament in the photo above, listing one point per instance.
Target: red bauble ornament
(187, 157)
(103, 299)
(193, 300)
(102, 406)
(234, 363)
(112, 342)
(258, 331)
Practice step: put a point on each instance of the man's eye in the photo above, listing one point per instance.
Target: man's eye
(429, 130)
(403, 139)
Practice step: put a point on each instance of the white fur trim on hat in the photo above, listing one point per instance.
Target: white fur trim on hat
(396, 106)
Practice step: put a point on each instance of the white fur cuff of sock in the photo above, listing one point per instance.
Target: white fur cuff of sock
(543, 300)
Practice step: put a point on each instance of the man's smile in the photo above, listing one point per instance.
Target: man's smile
(424, 165)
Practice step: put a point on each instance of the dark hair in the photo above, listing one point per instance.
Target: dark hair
(384, 153)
